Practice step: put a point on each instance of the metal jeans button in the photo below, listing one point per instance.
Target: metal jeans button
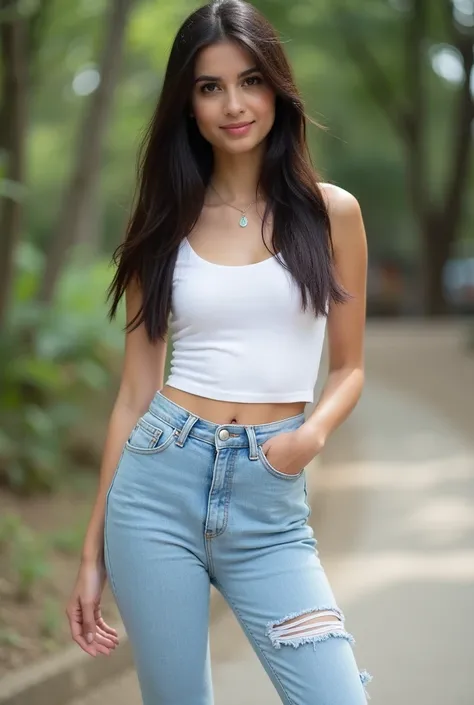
(224, 434)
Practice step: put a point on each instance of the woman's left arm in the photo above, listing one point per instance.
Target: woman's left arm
(346, 322)
(345, 327)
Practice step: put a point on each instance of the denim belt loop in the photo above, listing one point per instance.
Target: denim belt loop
(184, 433)
(252, 442)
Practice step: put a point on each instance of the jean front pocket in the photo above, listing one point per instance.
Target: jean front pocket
(150, 435)
(273, 471)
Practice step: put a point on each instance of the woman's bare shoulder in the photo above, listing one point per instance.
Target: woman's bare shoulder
(339, 202)
(347, 226)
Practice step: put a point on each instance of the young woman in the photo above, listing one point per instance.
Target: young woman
(237, 248)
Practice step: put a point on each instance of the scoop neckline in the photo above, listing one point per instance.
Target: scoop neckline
(227, 266)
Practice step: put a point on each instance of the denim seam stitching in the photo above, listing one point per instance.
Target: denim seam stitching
(189, 426)
(211, 534)
(254, 639)
(208, 539)
(210, 559)
(148, 427)
(153, 450)
(106, 547)
(227, 490)
(198, 438)
(308, 506)
(111, 576)
(273, 471)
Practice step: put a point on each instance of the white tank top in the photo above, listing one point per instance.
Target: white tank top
(239, 332)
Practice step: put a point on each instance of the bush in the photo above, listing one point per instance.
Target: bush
(49, 359)
(26, 553)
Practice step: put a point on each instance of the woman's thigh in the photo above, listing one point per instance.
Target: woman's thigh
(268, 568)
(159, 581)
(165, 610)
(284, 602)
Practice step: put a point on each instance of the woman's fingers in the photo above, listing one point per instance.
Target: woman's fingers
(90, 649)
(102, 649)
(75, 625)
(109, 630)
(100, 645)
(105, 640)
(74, 615)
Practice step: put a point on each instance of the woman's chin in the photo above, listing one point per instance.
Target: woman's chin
(242, 146)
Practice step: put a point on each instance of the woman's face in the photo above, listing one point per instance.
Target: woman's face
(233, 106)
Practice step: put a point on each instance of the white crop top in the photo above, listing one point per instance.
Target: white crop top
(239, 332)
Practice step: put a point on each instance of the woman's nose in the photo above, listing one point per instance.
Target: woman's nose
(234, 102)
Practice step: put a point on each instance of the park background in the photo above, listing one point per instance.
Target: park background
(390, 82)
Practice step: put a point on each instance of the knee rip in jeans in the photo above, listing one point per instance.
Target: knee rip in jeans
(311, 627)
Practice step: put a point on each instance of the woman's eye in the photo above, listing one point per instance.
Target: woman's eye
(208, 87)
(253, 80)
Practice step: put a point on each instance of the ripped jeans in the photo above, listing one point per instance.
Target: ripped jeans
(193, 503)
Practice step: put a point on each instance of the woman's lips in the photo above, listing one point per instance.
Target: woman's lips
(238, 129)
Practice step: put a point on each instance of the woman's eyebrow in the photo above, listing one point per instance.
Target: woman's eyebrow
(218, 78)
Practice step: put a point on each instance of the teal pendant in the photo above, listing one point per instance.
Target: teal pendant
(243, 222)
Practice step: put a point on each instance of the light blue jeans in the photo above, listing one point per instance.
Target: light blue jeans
(193, 503)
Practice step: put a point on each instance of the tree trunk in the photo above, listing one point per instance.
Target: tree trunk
(445, 222)
(89, 226)
(81, 190)
(13, 122)
(439, 219)
(437, 242)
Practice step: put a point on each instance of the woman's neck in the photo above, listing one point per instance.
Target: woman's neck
(235, 177)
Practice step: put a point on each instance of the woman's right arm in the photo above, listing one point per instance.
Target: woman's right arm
(142, 376)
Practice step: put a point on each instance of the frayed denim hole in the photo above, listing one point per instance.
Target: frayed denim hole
(312, 626)
(309, 626)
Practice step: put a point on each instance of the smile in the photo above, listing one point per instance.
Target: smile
(238, 128)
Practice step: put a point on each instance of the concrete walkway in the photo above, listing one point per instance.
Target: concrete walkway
(393, 510)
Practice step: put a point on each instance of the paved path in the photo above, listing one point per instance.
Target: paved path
(393, 509)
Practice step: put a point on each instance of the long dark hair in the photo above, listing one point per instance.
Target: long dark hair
(175, 165)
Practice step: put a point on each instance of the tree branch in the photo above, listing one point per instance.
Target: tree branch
(10, 11)
(375, 77)
(13, 118)
(416, 119)
(462, 142)
(36, 30)
(79, 191)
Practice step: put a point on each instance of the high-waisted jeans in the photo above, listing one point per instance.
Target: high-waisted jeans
(193, 504)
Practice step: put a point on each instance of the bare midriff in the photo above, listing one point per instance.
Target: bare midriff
(225, 412)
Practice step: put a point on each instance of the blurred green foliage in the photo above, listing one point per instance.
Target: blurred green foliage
(50, 620)
(26, 553)
(43, 381)
(25, 557)
(69, 540)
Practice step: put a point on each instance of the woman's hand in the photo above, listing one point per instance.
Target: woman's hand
(289, 452)
(88, 628)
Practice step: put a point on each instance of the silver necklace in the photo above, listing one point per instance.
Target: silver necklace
(243, 222)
